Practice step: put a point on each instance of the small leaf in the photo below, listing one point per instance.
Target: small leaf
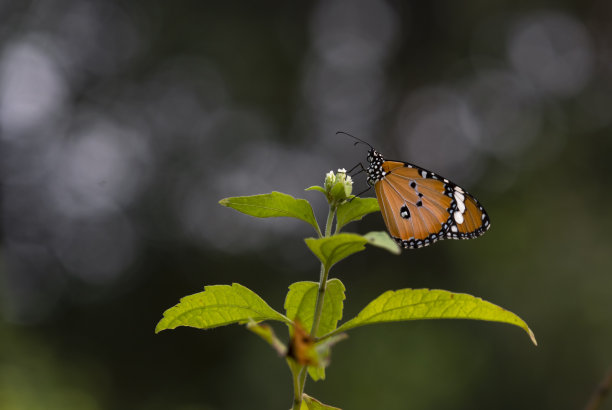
(310, 403)
(341, 191)
(218, 305)
(316, 188)
(267, 334)
(383, 240)
(302, 298)
(271, 205)
(316, 373)
(416, 304)
(323, 349)
(354, 210)
(331, 250)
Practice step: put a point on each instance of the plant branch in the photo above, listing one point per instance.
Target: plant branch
(601, 392)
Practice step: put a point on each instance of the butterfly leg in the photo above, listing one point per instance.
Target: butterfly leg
(363, 192)
(359, 171)
(359, 165)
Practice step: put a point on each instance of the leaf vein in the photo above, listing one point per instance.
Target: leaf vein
(412, 306)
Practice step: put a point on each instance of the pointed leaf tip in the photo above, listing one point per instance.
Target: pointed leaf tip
(382, 240)
(274, 204)
(532, 336)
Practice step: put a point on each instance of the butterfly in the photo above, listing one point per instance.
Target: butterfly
(420, 207)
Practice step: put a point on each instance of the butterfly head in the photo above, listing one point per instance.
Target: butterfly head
(375, 170)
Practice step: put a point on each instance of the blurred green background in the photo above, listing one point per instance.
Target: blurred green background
(122, 123)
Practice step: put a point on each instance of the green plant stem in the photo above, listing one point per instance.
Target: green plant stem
(298, 388)
(323, 276)
(302, 381)
(330, 219)
(320, 300)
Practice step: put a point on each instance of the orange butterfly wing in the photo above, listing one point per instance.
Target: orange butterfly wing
(420, 207)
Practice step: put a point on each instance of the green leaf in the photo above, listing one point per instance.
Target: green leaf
(218, 305)
(341, 190)
(331, 250)
(383, 240)
(323, 349)
(310, 403)
(300, 304)
(316, 188)
(316, 373)
(417, 304)
(354, 210)
(302, 298)
(271, 205)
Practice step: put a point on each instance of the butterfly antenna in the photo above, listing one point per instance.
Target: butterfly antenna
(354, 137)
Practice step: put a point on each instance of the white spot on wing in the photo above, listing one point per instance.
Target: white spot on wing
(458, 216)
(460, 205)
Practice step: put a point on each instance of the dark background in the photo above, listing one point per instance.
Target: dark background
(122, 123)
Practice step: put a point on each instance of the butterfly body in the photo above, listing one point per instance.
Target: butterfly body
(420, 207)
